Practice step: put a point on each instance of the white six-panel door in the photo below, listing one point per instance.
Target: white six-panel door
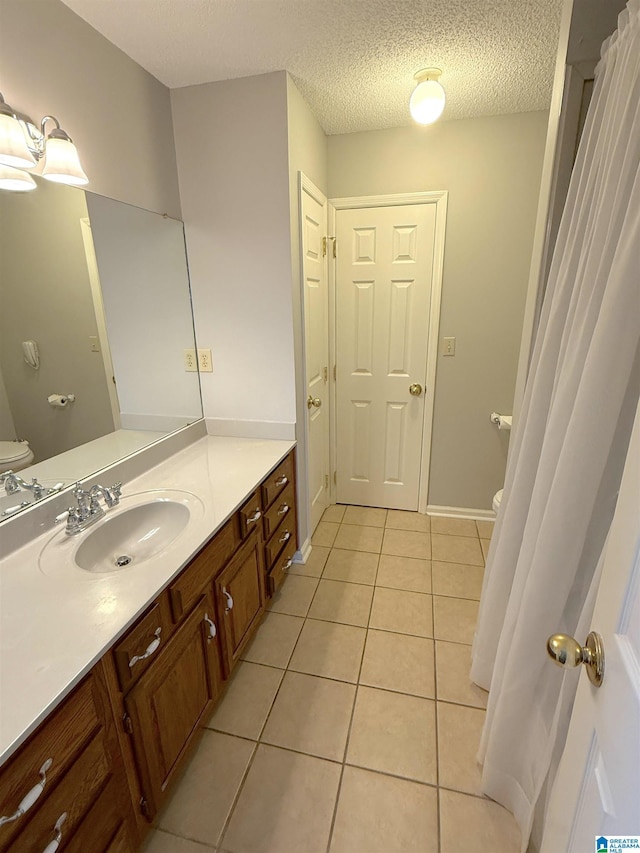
(384, 274)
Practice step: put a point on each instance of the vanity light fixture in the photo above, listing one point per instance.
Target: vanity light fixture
(23, 144)
(428, 98)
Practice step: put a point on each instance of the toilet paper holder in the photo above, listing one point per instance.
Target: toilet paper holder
(59, 401)
(501, 421)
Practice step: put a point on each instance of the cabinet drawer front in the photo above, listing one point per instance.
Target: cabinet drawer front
(105, 823)
(285, 535)
(74, 796)
(280, 509)
(281, 566)
(144, 642)
(185, 591)
(277, 481)
(249, 514)
(58, 741)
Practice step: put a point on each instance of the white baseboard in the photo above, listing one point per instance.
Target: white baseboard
(251, 429)
(460, 512)
(304, 553)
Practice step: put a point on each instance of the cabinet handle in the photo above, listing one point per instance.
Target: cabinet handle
(282, 479)
(29, 799)
(256, 515)
(151, 648)
(229, 600)
(286, 566)
(212, 628)
(52, 846)
(285, 537)
(284, 509)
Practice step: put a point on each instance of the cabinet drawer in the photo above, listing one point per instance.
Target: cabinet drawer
(284, 535)
(135, 652)
(57, 743)
(105, 829)
(185, 591)
(277, 481)
(281, 566)
(280, 509)
(73, 797)
(249, 514)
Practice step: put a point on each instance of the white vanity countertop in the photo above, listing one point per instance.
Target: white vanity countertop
(55, 626)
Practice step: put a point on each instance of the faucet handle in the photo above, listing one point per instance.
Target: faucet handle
(116, 491)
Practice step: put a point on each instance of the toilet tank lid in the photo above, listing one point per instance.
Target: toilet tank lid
(12, 451)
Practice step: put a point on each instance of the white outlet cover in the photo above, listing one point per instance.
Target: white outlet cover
(205, 361)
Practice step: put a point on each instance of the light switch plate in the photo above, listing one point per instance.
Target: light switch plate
(448, 346)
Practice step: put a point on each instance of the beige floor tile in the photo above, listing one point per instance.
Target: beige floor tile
(485, 529)
(286, 804)
(400, 519)
(407, 543)
(202, 800)
(485, 544)
(380, 814)
(408, 573)
(394, 733)
(334, 513)
(248, 700)
(402, 612)
(459, 730)
(355, 537)
(366, 515)
(311, 715)
(472, 824)
(325, 533)
(456, 549)
(315, 564)
(162, 842)
(275, 640)
(457, 580)
(337, 601)
(352, 566)
(453, 664)
(454, 619)
(294, 596)
(399, 662)
(330, 650)
(454, 526)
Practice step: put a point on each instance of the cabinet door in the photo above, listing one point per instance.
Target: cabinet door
(239, 590)
(172, 697)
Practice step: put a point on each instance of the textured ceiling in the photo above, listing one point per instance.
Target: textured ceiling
(353, 60)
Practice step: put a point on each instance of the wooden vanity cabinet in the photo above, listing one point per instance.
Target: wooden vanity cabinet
(279, 522)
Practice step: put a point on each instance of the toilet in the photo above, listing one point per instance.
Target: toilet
(15, 455)
(497, 500)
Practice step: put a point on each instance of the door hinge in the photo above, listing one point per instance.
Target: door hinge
(335, 245)
(325, 374)
(335, 478)
(335, 372)
(324, 247)
(326, 481)
(144, 807)
(127, 724)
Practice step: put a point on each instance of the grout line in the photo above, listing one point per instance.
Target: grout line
(234, 803)
(155, 829)
(435, 684)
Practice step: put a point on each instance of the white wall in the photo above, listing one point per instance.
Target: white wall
(231, 145)
(52, 62)
(7, 427)
(491, 168)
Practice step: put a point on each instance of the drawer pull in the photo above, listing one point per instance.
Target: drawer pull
(29, 799)
(151, 648)
(256, 515)
(52, 846)
(212, 628)
(285, 537)
(284, 509)
(282, 480)
(229, 600)
(286, 566)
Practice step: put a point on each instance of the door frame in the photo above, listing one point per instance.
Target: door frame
(439, 198)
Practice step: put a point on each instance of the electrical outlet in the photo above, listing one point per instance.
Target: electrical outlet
(205, 361)
(448, 346)
(93, 341)
(190, 361)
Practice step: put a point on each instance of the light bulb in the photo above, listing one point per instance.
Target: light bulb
(13, 145)
(62, 163)
(428, 98)
(15, 180)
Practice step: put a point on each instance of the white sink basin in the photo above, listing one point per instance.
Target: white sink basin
(139, 528)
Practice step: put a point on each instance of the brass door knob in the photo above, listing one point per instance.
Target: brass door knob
(415, 390)
(316, 402)
(568, 653)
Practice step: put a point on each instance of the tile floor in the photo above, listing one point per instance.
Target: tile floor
(350, 726)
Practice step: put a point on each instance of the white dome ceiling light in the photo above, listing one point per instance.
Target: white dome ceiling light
(428, 98)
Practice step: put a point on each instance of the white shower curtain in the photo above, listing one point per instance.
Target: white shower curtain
(569, 445)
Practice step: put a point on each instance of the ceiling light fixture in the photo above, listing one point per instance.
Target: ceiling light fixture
(23, 144)
(428, 98)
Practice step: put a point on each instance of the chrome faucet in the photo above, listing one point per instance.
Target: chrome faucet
(88, 510)
(13, 483)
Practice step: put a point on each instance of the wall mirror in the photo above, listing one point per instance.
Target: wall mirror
(95, 318)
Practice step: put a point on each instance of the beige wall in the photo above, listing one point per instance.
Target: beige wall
(119, 116)
(491, 168)
(307, 154)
